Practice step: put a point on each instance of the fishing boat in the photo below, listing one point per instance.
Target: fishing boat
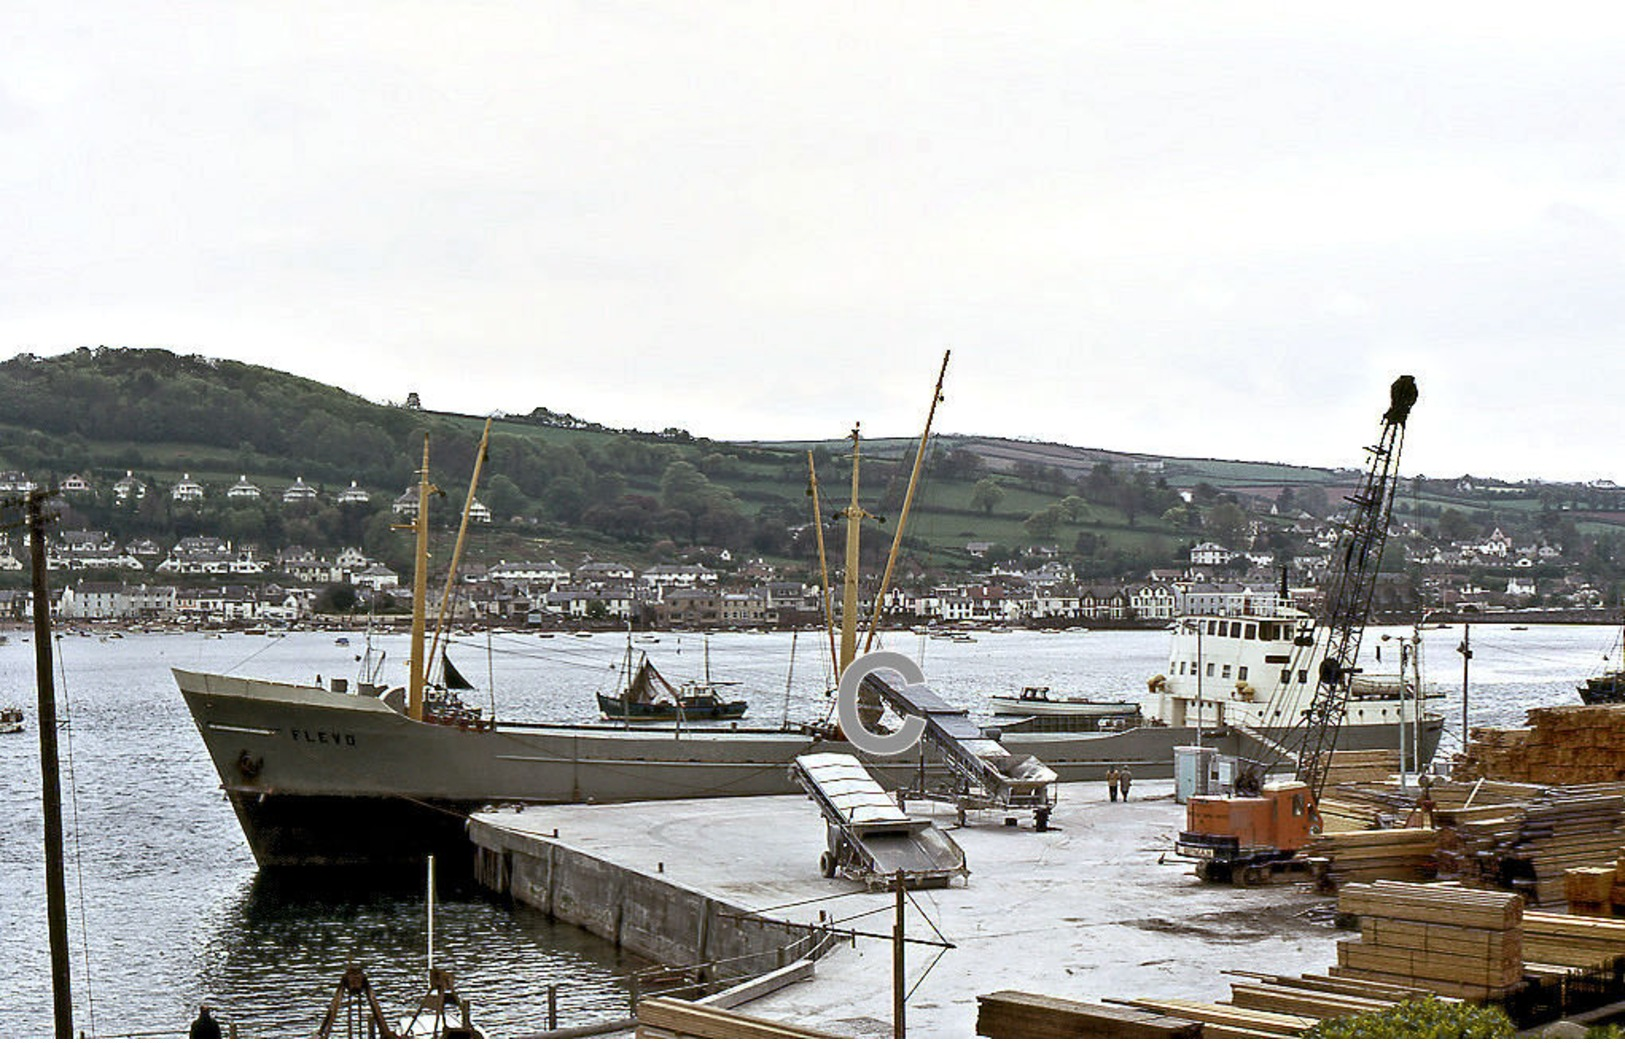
(648, 696)
(11, 720)
(1608, 686)
(364, 775)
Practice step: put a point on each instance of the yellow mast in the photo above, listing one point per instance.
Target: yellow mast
(849, 593)
(823, 562)
(462, 537)
(420, 580)
(908, 499)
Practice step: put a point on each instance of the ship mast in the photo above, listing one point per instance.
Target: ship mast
(420, 584)
(908, 500)
(462, 538)
(849, 591)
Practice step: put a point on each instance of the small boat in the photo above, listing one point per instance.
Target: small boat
(11, 720)
(650, 697)
(342, 642)
(1608, 686)
(1036, 700)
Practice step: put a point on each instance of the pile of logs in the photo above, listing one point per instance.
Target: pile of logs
(1563, 745)
(1448, 940)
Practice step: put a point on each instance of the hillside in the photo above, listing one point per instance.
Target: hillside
(560, 487)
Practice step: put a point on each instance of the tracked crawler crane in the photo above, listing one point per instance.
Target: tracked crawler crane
(1256, 834)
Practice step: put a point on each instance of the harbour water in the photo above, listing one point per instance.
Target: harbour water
(166, 907)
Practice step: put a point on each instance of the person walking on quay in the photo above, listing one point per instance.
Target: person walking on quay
(1111, 783)
(1123, 780)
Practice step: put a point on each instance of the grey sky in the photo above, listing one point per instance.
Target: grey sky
(1199, 229)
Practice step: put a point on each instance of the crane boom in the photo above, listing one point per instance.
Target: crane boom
(1255, 835)
(1359, 553)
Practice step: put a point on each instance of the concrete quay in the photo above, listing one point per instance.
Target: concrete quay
(1083, 911)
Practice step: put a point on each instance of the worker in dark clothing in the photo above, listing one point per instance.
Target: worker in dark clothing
(1123, 781)
(1111, 783)
(204, 1026)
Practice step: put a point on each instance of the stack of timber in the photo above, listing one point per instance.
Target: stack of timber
(1561, 940)
(1531, 848)
(1447, 940)
(1008, 1014)
(1354, 766)
(1563, 745)
(1375, 854)
(669, 1018)
(1596, 890)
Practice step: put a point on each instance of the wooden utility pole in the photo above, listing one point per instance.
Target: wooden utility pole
(56, 897)
(1466, 650)
(899, 1025)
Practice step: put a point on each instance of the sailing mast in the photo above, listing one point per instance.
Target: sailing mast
(823, 562)
(462, 538)
(420, 581)
(849, 591)
(908, 500)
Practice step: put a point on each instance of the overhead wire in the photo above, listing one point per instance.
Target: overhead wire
(78, 855)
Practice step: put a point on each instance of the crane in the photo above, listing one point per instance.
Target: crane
(1255, 834)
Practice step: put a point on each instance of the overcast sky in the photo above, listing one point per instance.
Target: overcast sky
(1194, 229)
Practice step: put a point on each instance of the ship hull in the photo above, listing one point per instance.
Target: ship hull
(321, 778)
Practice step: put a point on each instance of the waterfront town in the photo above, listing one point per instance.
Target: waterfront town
(210, 580)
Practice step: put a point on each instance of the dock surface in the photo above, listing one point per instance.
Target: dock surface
(1083, 911)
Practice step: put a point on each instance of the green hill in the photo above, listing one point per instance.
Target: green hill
(560, 487)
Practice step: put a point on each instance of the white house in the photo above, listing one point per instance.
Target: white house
(299, 492)
(243, 490)
(186, 490)
(354, 494)
(1210, 554)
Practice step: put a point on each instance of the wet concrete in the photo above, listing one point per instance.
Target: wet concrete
(1085, 910)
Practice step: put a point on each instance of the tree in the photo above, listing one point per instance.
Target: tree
(1042, 523)
(1453, 525)
(986, 495)
(1226, 523)
(1074, 506)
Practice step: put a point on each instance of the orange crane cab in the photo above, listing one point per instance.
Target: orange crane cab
(1248, 840)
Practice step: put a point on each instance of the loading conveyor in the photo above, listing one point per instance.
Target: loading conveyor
(983, 774)
(868, 837)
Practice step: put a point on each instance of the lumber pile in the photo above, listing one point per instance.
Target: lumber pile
(1353, 766)
(1596, 890)
(1375, 854)
(1531, 848)
(1009, 1014)
(1447, 940)
(669, 1018)
(1562, 745)
(1572, 941)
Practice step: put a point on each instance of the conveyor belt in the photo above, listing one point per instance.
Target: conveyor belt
(869, 837)
(990, 776)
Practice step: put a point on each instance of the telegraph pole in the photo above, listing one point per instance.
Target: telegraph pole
(899, 1027)
(56, 899)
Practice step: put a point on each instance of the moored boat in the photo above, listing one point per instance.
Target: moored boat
(650, 697)
(11, 720)
(1608, 686)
